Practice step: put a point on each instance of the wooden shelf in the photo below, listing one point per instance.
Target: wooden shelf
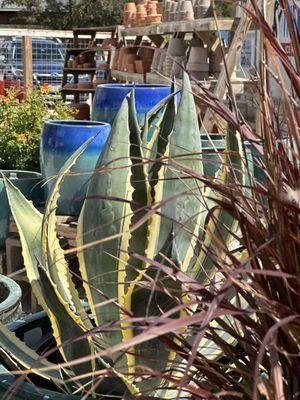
(197, 25)
(79, 71)
(78, 50)
(128, 77)
(70, 90)
(89, 31)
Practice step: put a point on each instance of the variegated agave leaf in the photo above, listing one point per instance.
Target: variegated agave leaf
(66, 324)
(101, 223)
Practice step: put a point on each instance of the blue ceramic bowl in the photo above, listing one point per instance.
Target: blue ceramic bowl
(30, 184)
(60, 140)
(109, 97)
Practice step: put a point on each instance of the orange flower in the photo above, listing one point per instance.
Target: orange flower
(45, 89)
(22, 138)
(6, 100)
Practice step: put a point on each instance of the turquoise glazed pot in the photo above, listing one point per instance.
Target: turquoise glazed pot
(109, 97)
(60, 139)
(30, 184)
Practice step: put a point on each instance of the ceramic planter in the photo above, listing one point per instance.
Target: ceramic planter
(30, 184)
(10, 300)
(109, 97)
(60, 139)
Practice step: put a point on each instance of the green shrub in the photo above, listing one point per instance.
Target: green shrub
(21, 124)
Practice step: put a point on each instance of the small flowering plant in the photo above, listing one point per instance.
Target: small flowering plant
(21, 124)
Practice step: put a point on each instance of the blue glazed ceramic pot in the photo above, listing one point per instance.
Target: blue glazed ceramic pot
(109, 97)
(60, 140)
(30, 184)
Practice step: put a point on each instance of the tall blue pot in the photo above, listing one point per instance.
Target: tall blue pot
(109, 97)
(60, 139)
(30, 184)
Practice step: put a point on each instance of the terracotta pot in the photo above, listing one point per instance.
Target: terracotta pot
(129, 60)
(199, 67)
(130, 68)
(70, 64)
(186, 10)
(173, 11)
(84, 85)
(88, 65)
(141, 9)
(198, 55)
(178, 64)
(108, 43)
(151, 9)
(162, 59)
(146, 52)
(82, 111)
(142, 66)
(159, 8)
(154, 19)
(75, 63)
(177, 47)
(129, 7)
(82, 58)
(114, 55)
(156, 58)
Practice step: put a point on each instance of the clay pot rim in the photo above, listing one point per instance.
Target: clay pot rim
(136, 86)
(73, 123)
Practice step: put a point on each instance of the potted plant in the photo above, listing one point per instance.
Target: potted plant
(10, 300)
(115, 249)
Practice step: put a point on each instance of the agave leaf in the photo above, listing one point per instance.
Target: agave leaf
(53, 255)
(221, 224)
(101, 218)
(29, 223)
(27, 358)
(183, 150)
(67, 328)
(158, 143)
(154, 112)
(65, 324)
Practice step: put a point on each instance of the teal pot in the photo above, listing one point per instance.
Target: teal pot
(60, 139)
(109, 97)
(10, 300)
(30, 184)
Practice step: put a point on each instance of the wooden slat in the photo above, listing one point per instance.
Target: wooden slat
(198, 25)
(220, 90)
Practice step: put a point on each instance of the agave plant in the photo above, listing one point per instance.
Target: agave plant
(143, 227)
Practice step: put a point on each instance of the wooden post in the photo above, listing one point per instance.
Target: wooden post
(235, 48)
(27, 62)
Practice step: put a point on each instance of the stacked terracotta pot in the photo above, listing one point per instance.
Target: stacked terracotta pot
(133, 59)
(185, 10)
(197, 64)
(170, 61)
(146, 12)
(85, 60)
(216, 61)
